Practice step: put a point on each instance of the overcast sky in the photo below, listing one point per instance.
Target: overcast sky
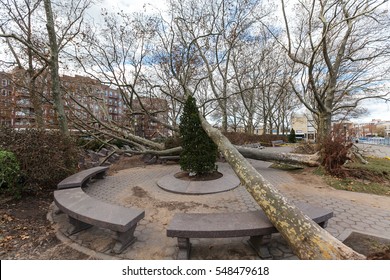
(126, 5)
(378, 109)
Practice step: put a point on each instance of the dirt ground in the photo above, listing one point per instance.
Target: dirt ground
(26, 233)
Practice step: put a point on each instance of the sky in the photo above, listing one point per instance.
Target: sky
(377, 109)
(126, 5)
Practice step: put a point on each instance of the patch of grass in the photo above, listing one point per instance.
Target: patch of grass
(377, 166)
(373, 177)
(320, 171)
(354, 185)
(285, 167)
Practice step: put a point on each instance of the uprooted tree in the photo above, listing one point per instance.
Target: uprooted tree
(305, 237)
(198, 57)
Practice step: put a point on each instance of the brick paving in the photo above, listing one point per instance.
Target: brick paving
(137, 187)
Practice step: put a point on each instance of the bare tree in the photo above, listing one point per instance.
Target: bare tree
(340, 51)
(306, 238)
(22, 16)
(214, 30)
(59, 34)
(119, 54)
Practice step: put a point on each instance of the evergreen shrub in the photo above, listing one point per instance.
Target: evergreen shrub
(9, 173)
(291, 137)
(199, 151)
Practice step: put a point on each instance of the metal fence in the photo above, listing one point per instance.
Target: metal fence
(375, 140)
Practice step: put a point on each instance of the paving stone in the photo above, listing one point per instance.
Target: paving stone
(355, 219)
(150, 232)
(275, 252)
(284, 248)
(292, 258)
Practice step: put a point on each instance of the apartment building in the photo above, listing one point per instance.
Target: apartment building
(6, 100)
(85, 100)
(304, 127)
(86, 97)
(148, 116)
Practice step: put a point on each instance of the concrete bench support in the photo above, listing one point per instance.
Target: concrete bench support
(84, 211)
(254, 224)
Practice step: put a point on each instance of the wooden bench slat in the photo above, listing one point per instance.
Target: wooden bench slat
(78, 179)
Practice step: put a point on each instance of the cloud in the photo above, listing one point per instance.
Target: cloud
(377, 109)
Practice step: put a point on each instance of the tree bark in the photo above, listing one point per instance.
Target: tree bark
(324, 125)
(305, 237)
(168, 152)
(286, 158)
(54, 70)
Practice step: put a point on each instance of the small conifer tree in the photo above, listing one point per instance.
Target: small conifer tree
(199, 151)
(291, 137)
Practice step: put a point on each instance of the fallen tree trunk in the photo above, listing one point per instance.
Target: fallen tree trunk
(286, 158)
(167, 152)
(305, 237)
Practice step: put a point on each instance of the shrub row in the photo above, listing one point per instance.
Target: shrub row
(9, 173)
(44, 157)
(238, 138)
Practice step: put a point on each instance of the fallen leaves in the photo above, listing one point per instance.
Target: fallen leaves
(6, 218)
(24, 236)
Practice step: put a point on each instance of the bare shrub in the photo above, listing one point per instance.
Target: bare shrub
(334, 151)
(238, 138)
(306, 148)
(45, 157)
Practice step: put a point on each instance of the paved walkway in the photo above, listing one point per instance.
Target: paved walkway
(137, 187)
(374, 150)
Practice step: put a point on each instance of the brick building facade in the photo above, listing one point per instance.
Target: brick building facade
(83, 97)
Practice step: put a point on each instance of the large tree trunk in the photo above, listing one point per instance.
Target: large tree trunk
(324, 125)
(54, 70)
(35, 98)
(285, 158)
(305, 237)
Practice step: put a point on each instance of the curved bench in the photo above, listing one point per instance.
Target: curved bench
(277, 143)
(84, 211)
(165, 159)
(80, 179)
(220, 225)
